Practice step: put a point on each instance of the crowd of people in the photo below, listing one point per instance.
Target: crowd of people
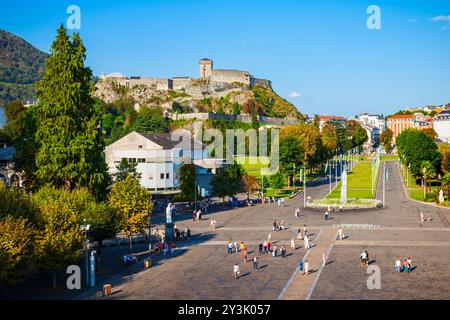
(405, 266)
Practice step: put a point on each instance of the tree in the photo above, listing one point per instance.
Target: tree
(15, 204)
(16, 248)
(59, 238)
(222, 184)
(427, 171)
(444, 150)
(104, 222)
(236, 109)
(133, 203)
(15, 114)
(150, 120)
(250, 184)
(386, 139)
(277, 181)
(356, 134)
(70, 144)
(125, 169)
(415, 147)
(187, 181)
(329, 138)
(430, 132)
(446, 183)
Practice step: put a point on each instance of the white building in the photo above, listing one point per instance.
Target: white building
(158, 159)
(441, 125)
(372, 120)
(7, 173)
(373, 134)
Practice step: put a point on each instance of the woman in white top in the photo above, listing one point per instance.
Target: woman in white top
(306, 267)
(293, 243)
(236, 271)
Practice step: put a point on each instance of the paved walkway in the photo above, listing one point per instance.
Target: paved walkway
(300, 286)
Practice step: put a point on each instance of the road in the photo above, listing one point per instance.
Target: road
(201, 269)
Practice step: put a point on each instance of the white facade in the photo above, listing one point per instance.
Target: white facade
(441, 125)
(373, 120)
(158, 158)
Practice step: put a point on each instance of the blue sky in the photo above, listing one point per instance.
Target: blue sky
(319, 49)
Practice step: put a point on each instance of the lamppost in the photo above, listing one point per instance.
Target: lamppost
(424, 182)
(85, 227)
(294, 177)
(304, 185)
(408, 168)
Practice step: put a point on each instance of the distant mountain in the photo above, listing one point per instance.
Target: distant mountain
(21, 64)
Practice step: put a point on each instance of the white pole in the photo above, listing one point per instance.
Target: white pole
(384, 185)
(304, 187)
(330, 174)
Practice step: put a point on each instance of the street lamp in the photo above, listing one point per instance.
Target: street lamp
(85, 227)
(408, 168)
(294, 177)
(424, 182)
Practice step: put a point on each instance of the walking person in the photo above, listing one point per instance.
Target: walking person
(275, 251)
(409, 264)
(265, 247)
(341, 233)
(306, 242)
(324, 259)
(269, 246)
(326, 215)
(236, 271)
(194, 215)
(283, 251)
(398, 266)
(405, 266)
(305, 230)
(422, 218)
(300, 267)
(236, 246)
(260, 248)
(299, 235)
(306, 267)
(255, 263)
(293, 244)
(229, 247)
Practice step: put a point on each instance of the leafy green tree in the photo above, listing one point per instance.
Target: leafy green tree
(133, 203)
(15, 114)
(104, 222)
(15, 204)
(444, 150)
(250, 184)
(236, 172)
(427, 171)
(386, 139)
(236, 109)
(222, 184)
(16, 248)
(125, 169)
(356, 134)
(277, 181)
(329, 139)
(446, 183)
(291, 154)
(59, 237)
(430, 132)
(70, 144)
(187, 176)
(415, 147)
(150, 120)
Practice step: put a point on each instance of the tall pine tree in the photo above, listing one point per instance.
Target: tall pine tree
(70, 144)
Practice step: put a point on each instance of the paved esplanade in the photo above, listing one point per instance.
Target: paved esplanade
(203, 270)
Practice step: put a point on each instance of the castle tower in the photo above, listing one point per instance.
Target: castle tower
(206, 67)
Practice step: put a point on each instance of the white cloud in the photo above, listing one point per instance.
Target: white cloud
(295, 94)
(441, 18)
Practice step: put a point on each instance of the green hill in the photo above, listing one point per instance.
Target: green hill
(21, 65)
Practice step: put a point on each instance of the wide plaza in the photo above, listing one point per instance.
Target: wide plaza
(202, 269)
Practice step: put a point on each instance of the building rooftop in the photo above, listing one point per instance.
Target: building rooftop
(401, 116)
(165, 140)
(332, 118)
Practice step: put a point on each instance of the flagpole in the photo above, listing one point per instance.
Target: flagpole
(384, 185)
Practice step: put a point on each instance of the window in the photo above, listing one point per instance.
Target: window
(162, 176)
(167, 175)
(141, 160)
(140, 147)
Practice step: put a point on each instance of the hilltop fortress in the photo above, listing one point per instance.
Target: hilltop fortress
(207, 74)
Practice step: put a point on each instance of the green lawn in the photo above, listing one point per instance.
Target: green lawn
(253, 165)
(359, 182)
(285, 192)
(389, 158)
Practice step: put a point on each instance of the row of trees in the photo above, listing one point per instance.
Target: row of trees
(43, 229)
(59, 151)
(305, 145)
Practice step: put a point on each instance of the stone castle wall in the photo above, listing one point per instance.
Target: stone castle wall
(243, 118)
